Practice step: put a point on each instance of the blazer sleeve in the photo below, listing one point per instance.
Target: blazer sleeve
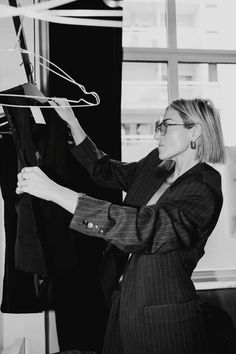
(104, 170)
(168, 225)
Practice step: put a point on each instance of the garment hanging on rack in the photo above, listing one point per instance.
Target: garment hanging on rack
(19, 294)
(43, 243)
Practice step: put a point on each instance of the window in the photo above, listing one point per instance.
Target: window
(175, 48)
(205, 24)
(145, 24)
(12, 72)
(183, 48)
(144, 96)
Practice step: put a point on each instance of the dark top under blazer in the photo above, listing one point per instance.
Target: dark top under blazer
(157, 310)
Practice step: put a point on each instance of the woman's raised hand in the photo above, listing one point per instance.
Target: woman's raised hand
(64, 110)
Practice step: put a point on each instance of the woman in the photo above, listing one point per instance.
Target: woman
(172, 205)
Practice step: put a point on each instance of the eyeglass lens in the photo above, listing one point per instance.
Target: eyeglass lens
(161, 127)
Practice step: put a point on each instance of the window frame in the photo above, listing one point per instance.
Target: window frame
(173, 55)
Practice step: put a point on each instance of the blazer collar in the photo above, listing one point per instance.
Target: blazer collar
(193, 170)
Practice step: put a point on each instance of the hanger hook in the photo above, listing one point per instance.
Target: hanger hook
(113, 3)
(18, 34)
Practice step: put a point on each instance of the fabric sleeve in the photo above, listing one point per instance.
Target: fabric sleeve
(104, 170)
(168, 225)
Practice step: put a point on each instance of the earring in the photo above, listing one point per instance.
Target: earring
(193, 144)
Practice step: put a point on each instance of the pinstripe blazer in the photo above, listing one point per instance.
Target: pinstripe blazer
(155, 310)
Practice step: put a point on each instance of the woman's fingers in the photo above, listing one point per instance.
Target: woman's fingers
(19, 176)
(23, 187)
(33, 168)
(61, 102)
(19, 190)
(63, 109)
(27, 172)
(28, 182)
(33, 180)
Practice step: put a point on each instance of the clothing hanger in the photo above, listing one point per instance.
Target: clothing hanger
(3, 120)
(64, 75)
(12, 10)
(113, 3)
(4, 126)
(15, 10)
(41, 12)
(82, 102)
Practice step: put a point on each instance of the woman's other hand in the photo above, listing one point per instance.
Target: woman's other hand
(34, 181)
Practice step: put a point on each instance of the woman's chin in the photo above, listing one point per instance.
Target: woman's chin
(162, 155)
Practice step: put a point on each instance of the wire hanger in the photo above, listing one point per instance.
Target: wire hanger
(3, 120)
(42, 11)
(4, 126)
(113, 3)
(82, 102)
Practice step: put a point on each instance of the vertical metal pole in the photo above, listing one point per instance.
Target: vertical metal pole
(43, 50)
(25, 56)
(173, 88)
(43, 42)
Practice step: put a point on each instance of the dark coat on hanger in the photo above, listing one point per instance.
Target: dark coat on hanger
(154, 308)
(19, 294)
(41, 242)
(38, 237)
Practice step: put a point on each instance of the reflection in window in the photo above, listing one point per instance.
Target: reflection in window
(212, 81)
(199, 82)
(144, 85)
(144, 23)
(12, 71)
(144, 99)
(137, 130)
(205, 24)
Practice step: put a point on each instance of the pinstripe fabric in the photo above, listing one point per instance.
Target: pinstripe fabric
(155, 310)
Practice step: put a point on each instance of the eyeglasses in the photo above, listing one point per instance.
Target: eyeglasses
(162, 127)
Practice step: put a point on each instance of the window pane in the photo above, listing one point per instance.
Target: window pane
(144, 98)
(214, 81)
(12, 71)
(206, 24)
(144, 23)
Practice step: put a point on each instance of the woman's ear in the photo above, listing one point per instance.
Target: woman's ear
(196, 131)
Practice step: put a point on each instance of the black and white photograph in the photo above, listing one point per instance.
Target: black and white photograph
(117, 177)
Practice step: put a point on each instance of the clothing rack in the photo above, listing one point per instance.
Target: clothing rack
(28, 70)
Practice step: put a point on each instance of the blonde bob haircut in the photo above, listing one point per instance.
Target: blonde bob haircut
(210, 145)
